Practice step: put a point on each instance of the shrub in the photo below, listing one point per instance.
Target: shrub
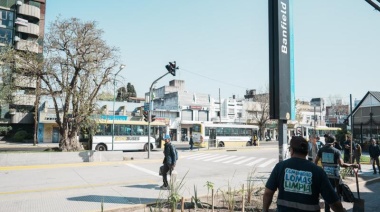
(20, 136)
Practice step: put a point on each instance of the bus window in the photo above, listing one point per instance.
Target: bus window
(197, 128)
(219, 131)
(249, 132)
(108, 129)
(242, 132)
(234, 131)
(227, 131)
(207, 131)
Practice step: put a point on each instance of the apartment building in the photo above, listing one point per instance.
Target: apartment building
(22, 26)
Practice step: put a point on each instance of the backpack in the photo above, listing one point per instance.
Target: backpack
(346, 193)
(175, 151)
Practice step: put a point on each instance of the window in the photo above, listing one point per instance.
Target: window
(6, 36)
(7, 18)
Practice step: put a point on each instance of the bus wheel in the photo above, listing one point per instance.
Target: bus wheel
(220, 144)
(101, 147)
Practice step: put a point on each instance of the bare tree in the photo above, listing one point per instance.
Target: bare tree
(78, 62)
(258, 110)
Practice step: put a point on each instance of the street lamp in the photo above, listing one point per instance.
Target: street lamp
(113, 104)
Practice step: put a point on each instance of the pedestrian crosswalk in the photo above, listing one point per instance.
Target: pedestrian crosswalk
(232, 159)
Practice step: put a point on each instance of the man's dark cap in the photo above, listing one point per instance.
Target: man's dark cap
(330, 139)
(299, 144)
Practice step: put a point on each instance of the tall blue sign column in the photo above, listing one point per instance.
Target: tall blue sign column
(279, 68)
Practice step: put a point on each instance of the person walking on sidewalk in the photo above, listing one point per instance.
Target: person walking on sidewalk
(374, 153)
(313, 148)
(169, 161)
(299, 182)
(347, 149)
(358, 155)
(331, 163)
(191, 142)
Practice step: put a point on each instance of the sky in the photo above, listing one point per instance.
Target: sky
(223, 44)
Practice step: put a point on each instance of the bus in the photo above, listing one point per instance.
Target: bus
(128, 135)
(223, 135)
(320, 131)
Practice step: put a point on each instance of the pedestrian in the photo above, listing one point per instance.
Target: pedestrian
(358, 155)
(299, 182)
(254, 140)
(168, 162)
(331, 163)
(374, 153)
(313, 148)
(191, 142)
(347, 149)
(319, 143)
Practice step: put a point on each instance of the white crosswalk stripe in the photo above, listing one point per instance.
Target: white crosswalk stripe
(245, 160)
(230, 161)
(217, 157)
(256, 161)
(197, 155)
(230, 157)
(205, 157)
(267, 163)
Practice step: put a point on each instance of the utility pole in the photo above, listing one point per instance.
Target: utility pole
(171, 70)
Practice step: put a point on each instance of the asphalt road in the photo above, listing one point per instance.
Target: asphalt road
(82, 187)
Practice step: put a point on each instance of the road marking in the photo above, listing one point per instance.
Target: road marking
(229, 161)
(144, 170)
(230, 157)
(205, 157)
(256, 161)
(267, 163)
(62, 188)
(245, 160)
(220, 156)
(195, 156)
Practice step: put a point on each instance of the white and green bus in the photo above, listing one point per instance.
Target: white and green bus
(128, 135)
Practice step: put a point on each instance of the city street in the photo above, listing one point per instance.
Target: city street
(82, 187)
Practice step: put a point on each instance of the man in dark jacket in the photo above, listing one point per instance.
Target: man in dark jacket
(168, 163)
(374, 152)
(331, 162)
(299, 183)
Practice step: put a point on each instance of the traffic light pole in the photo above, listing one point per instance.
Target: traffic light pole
(150, 110)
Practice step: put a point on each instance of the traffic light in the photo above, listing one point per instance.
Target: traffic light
(146, 116)
(171, 68)
(153, 118)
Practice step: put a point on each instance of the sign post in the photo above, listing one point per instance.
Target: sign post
(279, 68)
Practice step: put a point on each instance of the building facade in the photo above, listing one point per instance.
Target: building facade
(22, 26)
(366, 118)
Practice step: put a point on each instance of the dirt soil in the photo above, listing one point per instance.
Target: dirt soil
(220, 204)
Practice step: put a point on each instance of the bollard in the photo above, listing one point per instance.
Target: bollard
(173, 177)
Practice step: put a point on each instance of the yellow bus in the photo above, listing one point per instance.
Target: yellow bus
(223, 135)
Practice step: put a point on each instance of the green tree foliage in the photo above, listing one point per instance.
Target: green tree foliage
(124, 94)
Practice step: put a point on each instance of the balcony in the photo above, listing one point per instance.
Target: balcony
(26, 45)
(24, 81)
(23, 99)
(30, 28)
(29, 10)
